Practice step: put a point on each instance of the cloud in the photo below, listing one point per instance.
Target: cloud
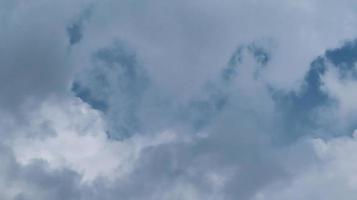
(35, 61)
(330, 177)
(115, 85)
(324, 91)
(181, 100)
(79, 139)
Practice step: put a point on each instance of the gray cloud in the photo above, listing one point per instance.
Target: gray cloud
(180, 100)
(35, 62)
(301, 108)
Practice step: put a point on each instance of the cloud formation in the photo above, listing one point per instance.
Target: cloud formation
(180, 100)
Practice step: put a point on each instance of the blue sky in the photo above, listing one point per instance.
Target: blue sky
(178, 100)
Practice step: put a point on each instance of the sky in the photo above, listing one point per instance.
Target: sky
(178, 99)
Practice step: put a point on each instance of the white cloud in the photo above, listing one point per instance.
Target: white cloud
(79, 142)
(332, 176)
(341, 89)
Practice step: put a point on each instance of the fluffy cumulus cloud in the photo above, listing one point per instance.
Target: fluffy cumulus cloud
(178, 100)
